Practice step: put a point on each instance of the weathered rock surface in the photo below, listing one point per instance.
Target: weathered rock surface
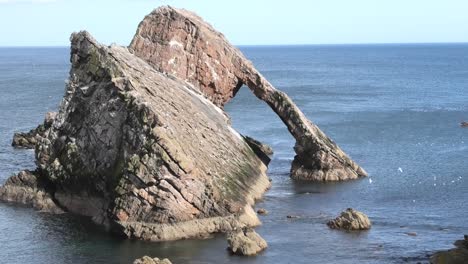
(29, 188)
(458, 255)
(149, 260)
(180, 43)
(145, 154)
(245, 242)
(29, 139)
(350, 219)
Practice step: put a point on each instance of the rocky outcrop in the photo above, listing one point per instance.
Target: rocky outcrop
(350, 219)
(262, 150)
(458, 255)
(28, 188)
(149, 260)
(245, 242)
(145, 154)
(29, 139)
(180, 43)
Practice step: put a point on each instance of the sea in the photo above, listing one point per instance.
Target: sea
(394, 108)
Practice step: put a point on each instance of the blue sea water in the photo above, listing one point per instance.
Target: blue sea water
(395, 109)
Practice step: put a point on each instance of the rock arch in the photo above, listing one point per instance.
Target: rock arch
(179, 42)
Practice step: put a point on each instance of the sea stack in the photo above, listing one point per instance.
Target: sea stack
(142, 145)
(144, 154)
(179, 42)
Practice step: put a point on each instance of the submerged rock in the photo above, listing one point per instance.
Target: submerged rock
(350, 220)
(246, 242)
(29, 139)
(180, 43)
(458, 255)
(149, 260)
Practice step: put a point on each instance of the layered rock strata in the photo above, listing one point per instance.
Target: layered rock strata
(143, 153)
(180, 43)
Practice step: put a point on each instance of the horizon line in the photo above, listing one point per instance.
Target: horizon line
(277, 45)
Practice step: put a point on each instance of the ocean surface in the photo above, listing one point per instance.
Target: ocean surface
(395, 109)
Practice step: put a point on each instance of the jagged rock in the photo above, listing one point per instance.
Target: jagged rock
(464, 124)
(29, 188)
(458, 255)
(262, 150)
(245, 242)
(180, 43)
(149, 260)
(29, 139)
(145, 154)
(350, 220)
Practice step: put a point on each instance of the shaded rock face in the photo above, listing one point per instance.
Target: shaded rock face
(149, 260)
(180, 43)
(145, 154)
(262, 150)
(245, 242)
(29, 140)
(350, 220)
(458, 255)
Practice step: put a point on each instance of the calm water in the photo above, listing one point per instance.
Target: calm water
(394, 108)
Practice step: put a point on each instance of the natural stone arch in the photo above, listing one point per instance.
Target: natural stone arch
(179, 42)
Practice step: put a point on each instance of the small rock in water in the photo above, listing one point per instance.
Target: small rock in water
(292, 216)
(350, 220)
(262, 211)
(411, 233)
(149, 260)
(464, 124)
(246, 242)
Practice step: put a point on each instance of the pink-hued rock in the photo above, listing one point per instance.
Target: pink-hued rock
(180, 43)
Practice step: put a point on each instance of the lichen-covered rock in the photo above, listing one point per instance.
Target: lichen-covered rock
(149, 260)
(458, 255)
(245, 242)
(350, 219)
(29, 139)
(179, 42)
(145, 154)
(28, 188)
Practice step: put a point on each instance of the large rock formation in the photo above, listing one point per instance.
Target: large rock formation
(180, 43)
(143, 153)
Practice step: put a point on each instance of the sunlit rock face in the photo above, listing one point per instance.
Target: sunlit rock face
(180, 43)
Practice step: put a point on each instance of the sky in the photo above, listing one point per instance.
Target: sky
(244, 22)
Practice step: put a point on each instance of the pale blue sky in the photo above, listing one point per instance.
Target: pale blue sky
(251, 22)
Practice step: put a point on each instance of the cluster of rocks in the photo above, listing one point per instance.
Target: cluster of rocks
(142, 145)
